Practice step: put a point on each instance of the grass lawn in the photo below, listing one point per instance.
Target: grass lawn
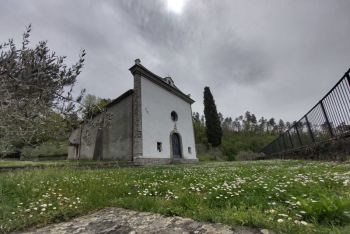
(18, 163)
(285, 196)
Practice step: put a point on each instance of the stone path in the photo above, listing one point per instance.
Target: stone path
(118, 220)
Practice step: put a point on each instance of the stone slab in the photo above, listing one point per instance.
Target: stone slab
(118, 220)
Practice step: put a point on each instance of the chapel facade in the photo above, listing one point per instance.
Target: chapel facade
(150, 124)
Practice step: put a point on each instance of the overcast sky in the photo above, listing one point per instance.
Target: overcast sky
(274, 58)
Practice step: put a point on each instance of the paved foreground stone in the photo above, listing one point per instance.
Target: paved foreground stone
(118, 220)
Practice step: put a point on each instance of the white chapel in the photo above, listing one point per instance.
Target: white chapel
(150, 124)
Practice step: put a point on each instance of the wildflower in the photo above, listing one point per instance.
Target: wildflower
(280, 220)
(303, 223)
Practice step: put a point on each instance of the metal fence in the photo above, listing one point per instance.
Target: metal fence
(328, 119)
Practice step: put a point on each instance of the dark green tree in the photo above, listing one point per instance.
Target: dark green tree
(262, 125)
(199, 129)
(227, 124)
(281, 126)
(247, 121)
(212, 121)
(93, 105)
(272, 124)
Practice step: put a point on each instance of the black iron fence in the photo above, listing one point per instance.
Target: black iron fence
(328, 119)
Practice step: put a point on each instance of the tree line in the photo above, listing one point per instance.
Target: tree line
(232, 135)
(246, 123)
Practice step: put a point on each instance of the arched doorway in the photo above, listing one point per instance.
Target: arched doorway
(176, 145)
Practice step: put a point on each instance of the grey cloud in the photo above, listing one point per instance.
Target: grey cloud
(275, 58)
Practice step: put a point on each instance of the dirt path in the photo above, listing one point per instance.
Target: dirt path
(118, 220)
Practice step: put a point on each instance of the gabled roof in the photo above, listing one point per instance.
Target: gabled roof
(138, 68)
(120, 98)
(112, 103)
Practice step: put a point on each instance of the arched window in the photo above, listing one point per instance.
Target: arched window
(174, 116)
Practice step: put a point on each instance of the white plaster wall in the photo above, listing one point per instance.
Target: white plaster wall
(157, 104)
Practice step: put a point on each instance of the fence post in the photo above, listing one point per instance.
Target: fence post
(310, 129)
(348, 76)
(327, 120)
(296, 129)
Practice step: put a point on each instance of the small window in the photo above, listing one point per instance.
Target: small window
(189, 150)
(159, 146)
(174, 116)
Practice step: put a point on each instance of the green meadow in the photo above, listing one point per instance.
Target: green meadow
(283, 196)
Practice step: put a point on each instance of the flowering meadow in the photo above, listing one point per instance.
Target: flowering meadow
(283, 196)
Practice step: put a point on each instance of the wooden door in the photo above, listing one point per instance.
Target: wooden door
(176, 145)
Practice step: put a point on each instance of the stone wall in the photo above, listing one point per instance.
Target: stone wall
(107, 136)
(137, 117)
(88, 139)
(117, 137)
(161, 161)
(74, 142)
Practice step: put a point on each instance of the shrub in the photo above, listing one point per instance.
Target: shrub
(211, 154)
(46, 149)
(248, 155)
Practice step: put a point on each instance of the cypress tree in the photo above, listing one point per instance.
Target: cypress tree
(213, 125)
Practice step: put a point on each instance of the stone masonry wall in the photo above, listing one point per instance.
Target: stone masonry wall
(137, 118)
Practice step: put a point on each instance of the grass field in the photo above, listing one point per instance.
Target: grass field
(53, 163)
(285, 196)
(17, 163)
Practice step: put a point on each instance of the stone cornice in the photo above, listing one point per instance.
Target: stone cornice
(144, 72)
